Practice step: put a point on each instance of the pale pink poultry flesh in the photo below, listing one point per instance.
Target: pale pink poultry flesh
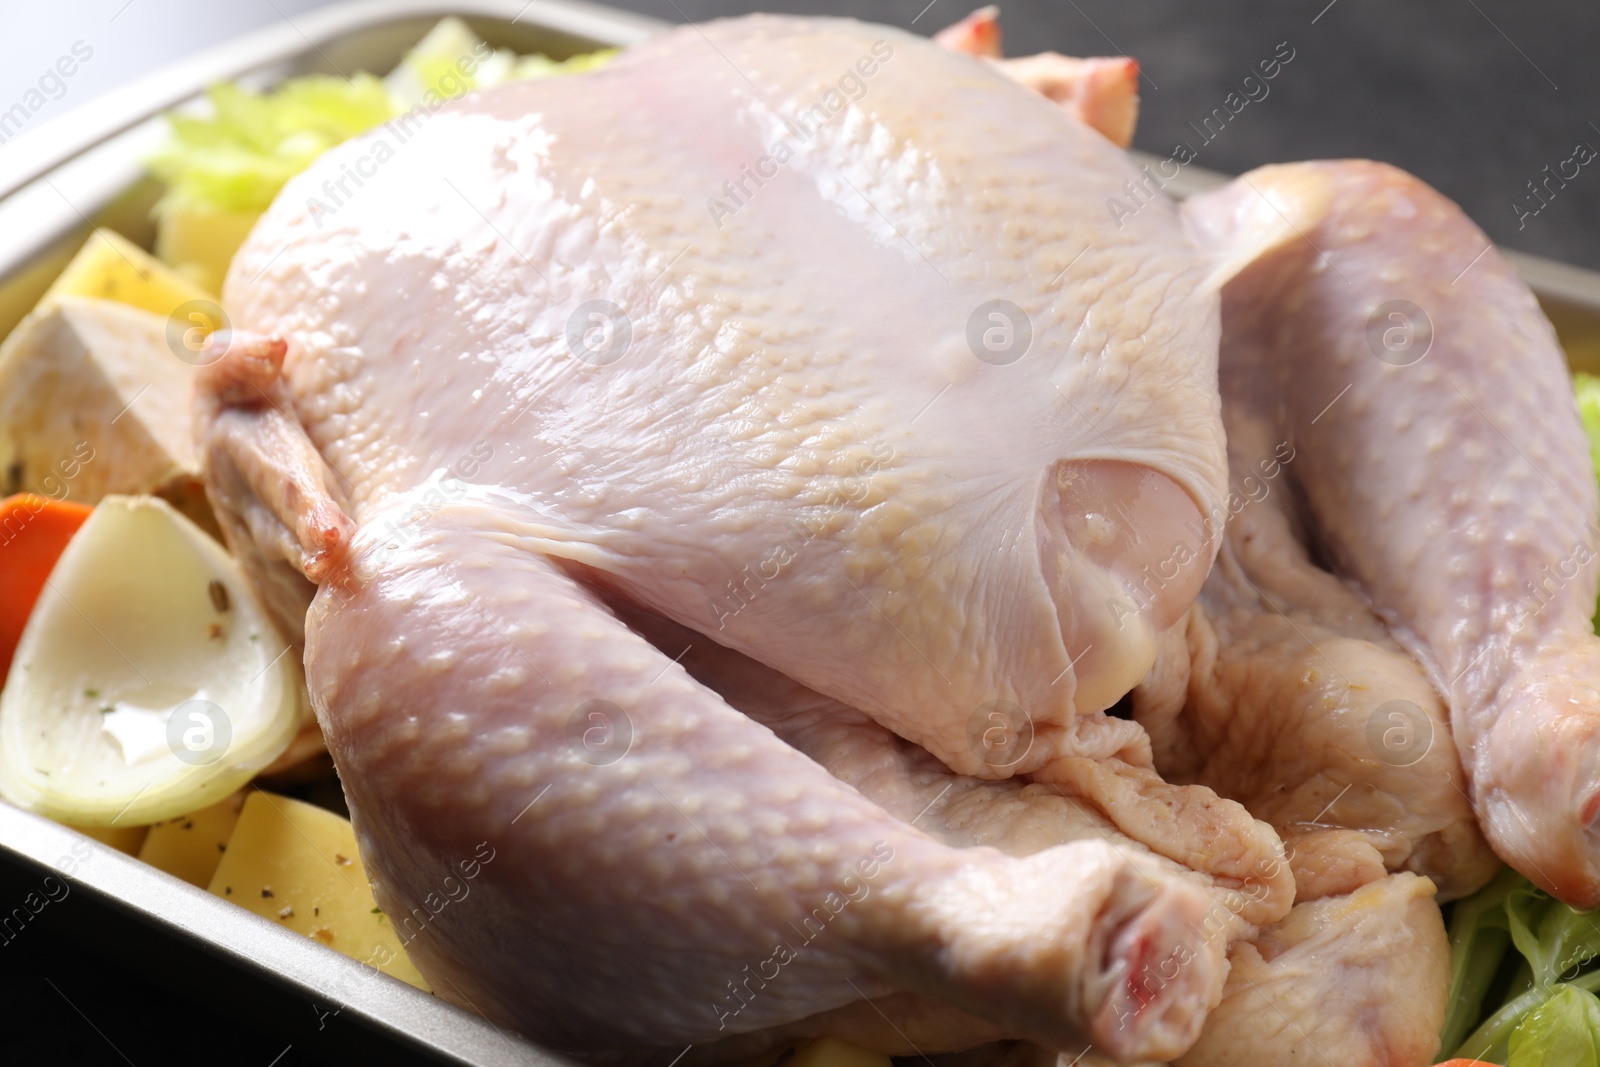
(663, 443)
(1371, 324)
(819, 481)
(1371, 956)
(1283, 689)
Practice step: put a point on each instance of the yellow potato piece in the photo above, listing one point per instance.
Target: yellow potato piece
(820, 1052)
(836, 1052)
(296, 864)
(190, 847)
(200, 241)
(127, 839)
(111, 267)
(93, 401)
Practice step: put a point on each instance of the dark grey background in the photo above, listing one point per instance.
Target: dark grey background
(1476, 96)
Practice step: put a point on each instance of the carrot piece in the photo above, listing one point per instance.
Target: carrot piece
(34, 531)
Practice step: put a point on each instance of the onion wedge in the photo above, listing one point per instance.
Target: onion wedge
(149, 681)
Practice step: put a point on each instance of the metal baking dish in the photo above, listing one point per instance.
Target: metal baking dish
(84, 169)
(86, 165)
(56, 183)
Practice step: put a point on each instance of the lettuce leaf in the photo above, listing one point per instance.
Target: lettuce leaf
(1564, 1031)
(1587, 388)
(238, 157)
(1556, 946)
(448, 61)
(545, 67)
(1479, 936)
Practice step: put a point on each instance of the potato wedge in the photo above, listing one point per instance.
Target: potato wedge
(111, 267)
(93, 402)
(297, 865)
(191, 846)
(819, 1052)
(128, 839)
(199, 241)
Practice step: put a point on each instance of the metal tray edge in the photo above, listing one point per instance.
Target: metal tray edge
(37, 152)
(34, 846)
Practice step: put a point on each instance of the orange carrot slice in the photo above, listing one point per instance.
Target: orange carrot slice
(34, 531)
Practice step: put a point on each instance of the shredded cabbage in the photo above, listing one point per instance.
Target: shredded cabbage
(236, 158)
(240, 155)
(1551, 988)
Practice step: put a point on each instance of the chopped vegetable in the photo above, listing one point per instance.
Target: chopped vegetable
(296, 864)
(111, 267)
(93, 401)
(34, 531)
(1587, 388)
(818, 1052)
(836, 1052)
(187, 709)
(448, 61)
(223, 167)
(239, 156)
(1556, 945)
(1564, 1031)
(451, 60)
(545, 67)
(191, 846)
(199, 240)
(1479, 935)
(128, 839)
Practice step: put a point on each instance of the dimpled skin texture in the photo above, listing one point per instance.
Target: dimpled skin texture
(1285, 682)
(797, 452)
(628, 903)
(1449, 482)
(832, 484)
(1359, 978)
(1368, 963)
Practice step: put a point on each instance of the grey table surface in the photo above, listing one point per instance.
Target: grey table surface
(1477, 97)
